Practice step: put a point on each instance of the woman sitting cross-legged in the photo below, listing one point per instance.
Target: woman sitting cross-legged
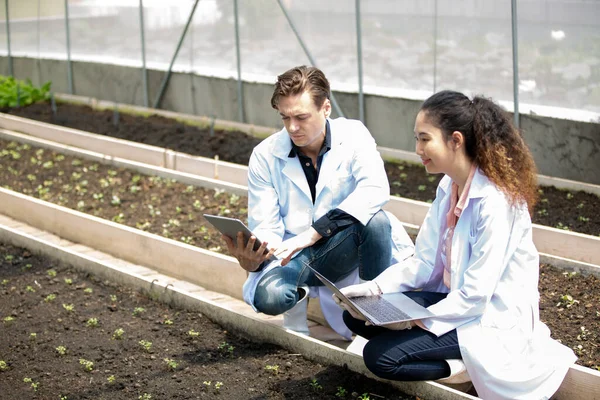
(475, 265)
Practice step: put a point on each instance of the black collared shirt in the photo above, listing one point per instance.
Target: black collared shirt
(335, 220)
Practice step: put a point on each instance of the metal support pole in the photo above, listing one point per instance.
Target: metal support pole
(361, 95)
(240, 88)
(334, 103)
(10, 61)
(144, 72)
(515, 51)
(69, 66)
(435, 33)
(165, 80)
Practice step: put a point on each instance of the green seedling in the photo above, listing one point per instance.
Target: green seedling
(567, 301)
(364, 396)
(9, 257)
(34, 385)
(138, 310)
(32, 336)
(226, 348)
(341, 392)
(5, 282)
(315, 385)
(146, 345)
(168, 322)
(92, 322)
(30, 289)
(207, 383)
(3, 365)
(422, 188)
(62, 350)
(193, 333)
(87, 365)
(88, 290)
(113, 298)
(69, 307)
(171, 364)
(119, 218)
(51, 273)
(272, 368)
(8, 320)
(581, 218)
(111, 379)
(118, 334)
(68, 281)
(218, 385)
(50, 298)
(145, 396)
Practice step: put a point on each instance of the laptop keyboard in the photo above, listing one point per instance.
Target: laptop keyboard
(380, 308)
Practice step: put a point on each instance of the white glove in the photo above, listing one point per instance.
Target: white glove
(368, 288)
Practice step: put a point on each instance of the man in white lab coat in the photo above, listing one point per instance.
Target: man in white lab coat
(315, 192)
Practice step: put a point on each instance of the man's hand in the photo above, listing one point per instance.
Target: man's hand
(297, 243)
(249, 259)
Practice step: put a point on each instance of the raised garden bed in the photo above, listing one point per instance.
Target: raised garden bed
(569, 302)
(572, 210)
(69, 335)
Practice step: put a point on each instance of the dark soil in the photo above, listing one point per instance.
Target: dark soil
(209, 361)
(174, 210)
(576, 211)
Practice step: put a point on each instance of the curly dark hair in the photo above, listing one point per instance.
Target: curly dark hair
(491, 141)
(298, 80)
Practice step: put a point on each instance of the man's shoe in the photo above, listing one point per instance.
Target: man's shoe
(295, 318)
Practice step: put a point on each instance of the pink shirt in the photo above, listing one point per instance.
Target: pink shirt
(456, 207)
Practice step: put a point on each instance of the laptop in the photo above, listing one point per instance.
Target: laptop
(231, 226)
(380, 310)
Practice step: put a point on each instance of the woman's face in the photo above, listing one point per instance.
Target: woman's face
(437, 154)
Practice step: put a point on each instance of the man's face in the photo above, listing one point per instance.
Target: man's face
(304, 122)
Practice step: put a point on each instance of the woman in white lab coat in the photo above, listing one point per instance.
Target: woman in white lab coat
(475, 265)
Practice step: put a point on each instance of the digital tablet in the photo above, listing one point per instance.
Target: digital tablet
(230, 227)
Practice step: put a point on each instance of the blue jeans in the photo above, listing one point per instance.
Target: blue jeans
(408, 355)
(368, 246)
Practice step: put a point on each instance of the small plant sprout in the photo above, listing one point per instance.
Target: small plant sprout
(273, 368)
(32, 336)
(146, 345)
(315, 385)
(145, 396)
(68, 281)
(226, 348)
(87, 365)
(62, 350)
(3, 365)
(421, 188)
(171, 364)
(218, 385)
(113, 298)
(30, 289)
(138, 310)
(111, 379)
(118, 334)
(88, 290)
(193, 333)
(50, 298)
(583, 334)
(207, 383)
(8, 320)
(51, 273)
(69, 307)
(5, 282)
(92, 322)
(341, 392)
(364, 396)
(34, 385)
(167, 322)
(567, 301)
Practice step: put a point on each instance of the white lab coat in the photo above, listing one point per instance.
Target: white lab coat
(493, 301)
(352, 178)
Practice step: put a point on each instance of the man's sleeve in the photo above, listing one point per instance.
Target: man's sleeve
(333, 222)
